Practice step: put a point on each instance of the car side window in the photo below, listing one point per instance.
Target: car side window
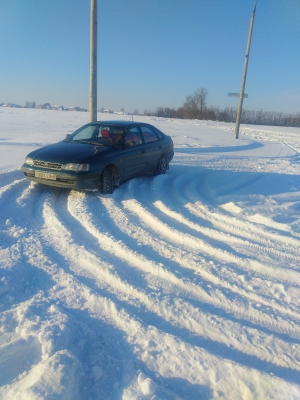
(148, 134)
(133, 137)
(159, 134)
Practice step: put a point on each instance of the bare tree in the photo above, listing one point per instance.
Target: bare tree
(190, 107)
(195, 104)
(200, 97)
(30, 104)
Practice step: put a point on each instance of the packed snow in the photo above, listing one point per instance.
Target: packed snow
(179, 286)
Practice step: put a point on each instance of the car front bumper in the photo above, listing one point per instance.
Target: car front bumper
(63, 179)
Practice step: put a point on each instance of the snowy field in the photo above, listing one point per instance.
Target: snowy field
(180, 286)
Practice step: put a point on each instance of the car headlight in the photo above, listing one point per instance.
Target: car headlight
(29, 161)
(76, 167)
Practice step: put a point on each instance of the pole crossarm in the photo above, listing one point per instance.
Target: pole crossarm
(237, 95)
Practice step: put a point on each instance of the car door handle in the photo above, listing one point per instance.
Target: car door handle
(143, 151)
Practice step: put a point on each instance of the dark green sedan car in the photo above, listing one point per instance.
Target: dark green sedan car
(101, 155)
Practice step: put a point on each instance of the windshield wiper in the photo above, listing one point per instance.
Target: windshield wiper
(90, 142)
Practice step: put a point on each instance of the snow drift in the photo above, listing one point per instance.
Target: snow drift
(181, 286)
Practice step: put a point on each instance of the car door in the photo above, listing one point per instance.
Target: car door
(133, 153)
(153, 147)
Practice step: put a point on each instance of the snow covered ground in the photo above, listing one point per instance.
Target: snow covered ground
(181, 286)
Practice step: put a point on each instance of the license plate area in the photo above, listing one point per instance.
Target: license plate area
(45, 175)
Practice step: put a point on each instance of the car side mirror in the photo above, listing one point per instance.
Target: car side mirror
(67, 135)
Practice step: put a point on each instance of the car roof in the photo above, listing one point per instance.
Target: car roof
(122, 123)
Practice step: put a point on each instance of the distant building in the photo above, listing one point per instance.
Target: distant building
(58, 108)
(10, 105)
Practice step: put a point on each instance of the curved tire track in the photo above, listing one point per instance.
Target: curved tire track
(157, 252)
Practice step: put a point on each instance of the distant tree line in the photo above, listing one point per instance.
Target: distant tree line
(47, 106)
(195, 107)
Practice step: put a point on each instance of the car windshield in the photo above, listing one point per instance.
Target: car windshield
(99, 134)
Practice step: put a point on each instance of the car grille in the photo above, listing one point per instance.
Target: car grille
(45, 164)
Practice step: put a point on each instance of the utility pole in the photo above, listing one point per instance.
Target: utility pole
(239, 111)
(93, 62)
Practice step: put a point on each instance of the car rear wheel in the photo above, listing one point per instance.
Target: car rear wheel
(106, 180)
(162, 166)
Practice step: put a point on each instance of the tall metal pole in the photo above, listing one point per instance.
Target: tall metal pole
(93, 62)
(239, 111)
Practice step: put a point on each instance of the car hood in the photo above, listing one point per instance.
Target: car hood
(69, 152)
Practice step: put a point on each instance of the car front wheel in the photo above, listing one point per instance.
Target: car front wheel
(162, 166)
(106, 180)
(110, 178)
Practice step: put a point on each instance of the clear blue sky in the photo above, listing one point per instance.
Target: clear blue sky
(150, 52)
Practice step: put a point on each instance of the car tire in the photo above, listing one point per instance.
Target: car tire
(106, 180)
(162, 166)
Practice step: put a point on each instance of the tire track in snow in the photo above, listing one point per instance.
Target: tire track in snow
(189, 197)
(266, 269)
(185, 285)
(192, 322)
(62, 285)
(72, 228)
(211, 214)
(196, 245)
(227, 229)
(201, 268)
(5, 190)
